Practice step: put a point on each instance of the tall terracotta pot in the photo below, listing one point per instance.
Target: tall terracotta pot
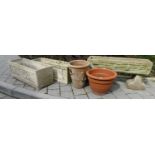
(78, 69)
(101, 80)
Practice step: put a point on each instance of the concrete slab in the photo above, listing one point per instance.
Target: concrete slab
(68, 95)
(78, 92)
(54, 86)
(81, 97)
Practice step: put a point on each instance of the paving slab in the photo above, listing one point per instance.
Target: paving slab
(44, 90)
(91, 95)
(88, 89)
(2, 78)
(81, 97)
(4, 96)
(134, 96)
(78, 92)
(63, 84)
(122, 96)
(10, 80)
(6, 88)
(147, 97)
(109, 96)
(27, 87)
(22, 93)
(66, 88)
(8, 97)
(55, 92)
(54, 86)
(68, 95)
(151, 91)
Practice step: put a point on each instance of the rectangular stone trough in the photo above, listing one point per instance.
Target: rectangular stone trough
(33, 73)
(60, 69)
(123, 65)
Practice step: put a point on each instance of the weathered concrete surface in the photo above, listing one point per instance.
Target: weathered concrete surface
(4, 96)
(23, 93)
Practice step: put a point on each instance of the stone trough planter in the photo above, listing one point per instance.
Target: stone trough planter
(31, 72)
(135, 66)
(60, 69)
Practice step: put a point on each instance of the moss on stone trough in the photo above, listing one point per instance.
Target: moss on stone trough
(123, 65)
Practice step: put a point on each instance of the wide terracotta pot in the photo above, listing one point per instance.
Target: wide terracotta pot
(101, 79)
(78, 70)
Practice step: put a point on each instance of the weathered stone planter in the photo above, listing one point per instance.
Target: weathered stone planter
(78, 70)
(31, 72)
(60, 69)
(101, 80)
(134, 66)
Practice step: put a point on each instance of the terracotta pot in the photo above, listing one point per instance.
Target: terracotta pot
(78, 70)
(101, 80)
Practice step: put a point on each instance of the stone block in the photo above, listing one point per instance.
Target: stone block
(60, 69)
(33, 73)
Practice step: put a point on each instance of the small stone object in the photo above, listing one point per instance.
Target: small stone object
(136, 83)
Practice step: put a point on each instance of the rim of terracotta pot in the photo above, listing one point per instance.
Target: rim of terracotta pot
(78, 64)
(111, 77)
